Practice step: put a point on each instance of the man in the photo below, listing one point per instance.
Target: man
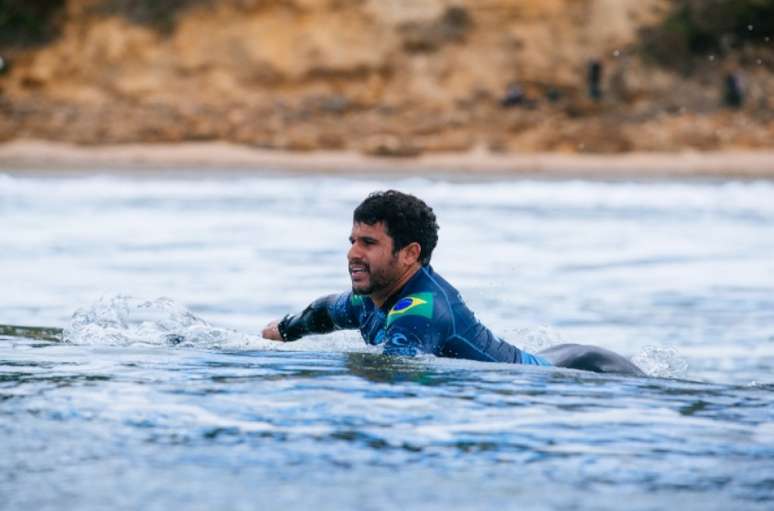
(398, 301)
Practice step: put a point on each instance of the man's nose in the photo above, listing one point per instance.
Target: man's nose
(354, 252)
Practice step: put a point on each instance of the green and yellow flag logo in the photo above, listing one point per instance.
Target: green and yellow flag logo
(419, 304)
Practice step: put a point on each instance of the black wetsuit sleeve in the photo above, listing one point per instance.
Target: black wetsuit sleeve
(324, 315)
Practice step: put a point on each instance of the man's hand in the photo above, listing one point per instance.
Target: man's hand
(271, 331)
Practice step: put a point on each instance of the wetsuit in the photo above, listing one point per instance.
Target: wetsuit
(426, 316)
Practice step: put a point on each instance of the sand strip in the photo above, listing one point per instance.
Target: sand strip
(25, 156)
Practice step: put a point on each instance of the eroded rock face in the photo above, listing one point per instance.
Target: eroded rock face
(390, 77)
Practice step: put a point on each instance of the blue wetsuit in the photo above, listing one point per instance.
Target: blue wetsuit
(426, 316)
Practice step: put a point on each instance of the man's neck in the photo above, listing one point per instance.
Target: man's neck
(382, 297)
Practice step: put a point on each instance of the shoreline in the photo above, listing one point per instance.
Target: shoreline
(22, 157)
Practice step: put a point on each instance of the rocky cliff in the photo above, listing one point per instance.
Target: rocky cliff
(391, 77)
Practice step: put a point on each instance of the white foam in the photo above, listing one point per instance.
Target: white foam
(124, 320)
(662, 362)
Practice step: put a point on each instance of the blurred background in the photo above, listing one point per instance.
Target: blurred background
(392, 77)
(150, 406)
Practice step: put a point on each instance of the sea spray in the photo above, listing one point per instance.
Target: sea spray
(122, 320)
(534, 339)
(661, 362)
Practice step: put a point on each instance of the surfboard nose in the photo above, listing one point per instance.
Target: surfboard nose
(41, 333)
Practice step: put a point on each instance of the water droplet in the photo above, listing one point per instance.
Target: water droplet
(750, 28)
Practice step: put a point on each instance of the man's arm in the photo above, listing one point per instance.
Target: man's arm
(326, 314)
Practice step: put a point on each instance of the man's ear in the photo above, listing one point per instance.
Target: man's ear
(412, 252)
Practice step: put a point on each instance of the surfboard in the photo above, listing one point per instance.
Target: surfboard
(41, 333)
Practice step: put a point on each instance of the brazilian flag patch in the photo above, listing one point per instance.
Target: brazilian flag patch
(419, 304)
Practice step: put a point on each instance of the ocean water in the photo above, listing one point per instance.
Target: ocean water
(165, 396)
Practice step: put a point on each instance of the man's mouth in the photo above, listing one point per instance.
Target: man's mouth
(358, 269)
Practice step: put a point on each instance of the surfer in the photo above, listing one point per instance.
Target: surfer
(399, 302)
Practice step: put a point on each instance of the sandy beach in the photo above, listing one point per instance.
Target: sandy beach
(30, 156)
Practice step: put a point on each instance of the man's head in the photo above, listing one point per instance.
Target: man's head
(393, 233)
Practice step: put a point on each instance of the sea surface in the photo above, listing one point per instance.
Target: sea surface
(163, 396)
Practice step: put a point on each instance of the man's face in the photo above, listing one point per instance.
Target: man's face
(372, 264)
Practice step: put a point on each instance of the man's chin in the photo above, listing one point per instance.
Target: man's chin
(362, 289)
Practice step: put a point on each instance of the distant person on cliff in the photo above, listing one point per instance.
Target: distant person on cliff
(399, 302)
(733, 90)
(594, 79)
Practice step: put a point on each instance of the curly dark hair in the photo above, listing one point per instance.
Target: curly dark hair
(407, 219)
